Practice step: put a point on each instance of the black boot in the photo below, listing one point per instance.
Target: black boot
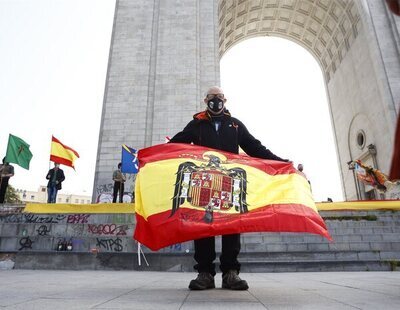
(232, 281)
(203, 281)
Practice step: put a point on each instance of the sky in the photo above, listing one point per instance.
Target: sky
(53, 60)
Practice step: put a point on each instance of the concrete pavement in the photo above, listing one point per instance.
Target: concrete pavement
(53, 289)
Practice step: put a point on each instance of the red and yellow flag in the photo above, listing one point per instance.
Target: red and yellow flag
(186, 192)
(62, 154)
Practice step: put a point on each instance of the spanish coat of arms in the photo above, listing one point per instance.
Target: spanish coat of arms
(210, 186)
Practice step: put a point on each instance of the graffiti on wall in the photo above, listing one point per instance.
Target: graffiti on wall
(110, 244)
(43, 230)
(108, 229)
(29, 218)
(25, 243)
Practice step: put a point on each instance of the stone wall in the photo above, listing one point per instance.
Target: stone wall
(362, 241)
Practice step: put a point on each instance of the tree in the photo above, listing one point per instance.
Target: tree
(12, 195)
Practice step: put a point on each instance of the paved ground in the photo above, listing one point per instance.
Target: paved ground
(46, 289)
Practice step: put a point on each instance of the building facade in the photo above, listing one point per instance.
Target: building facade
(40, 196)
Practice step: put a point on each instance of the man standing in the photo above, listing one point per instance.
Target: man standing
(215, 128)
(301, 168)
(55, 177)
(119, 180)
(6, 172)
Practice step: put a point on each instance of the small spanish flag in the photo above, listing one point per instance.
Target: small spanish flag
(62, 154)
(186, 192)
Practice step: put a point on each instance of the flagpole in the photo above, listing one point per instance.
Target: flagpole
(51, 141)
(2, 168)
(138, 253)
(47, 189)
(144, 257)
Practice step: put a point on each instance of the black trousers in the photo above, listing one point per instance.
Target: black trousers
(118, 187)
(204, 254)
(3, 189)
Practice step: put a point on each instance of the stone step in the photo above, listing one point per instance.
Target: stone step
(181, 262)
(391, 246)
(361, 224)
(315, 266)
(356, 213)
(336, 246)
(301, 238)
(363, 230)
(319, 256)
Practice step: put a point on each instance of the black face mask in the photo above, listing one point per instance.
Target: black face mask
(215, 105)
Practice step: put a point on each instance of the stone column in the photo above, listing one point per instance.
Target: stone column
(163, 57)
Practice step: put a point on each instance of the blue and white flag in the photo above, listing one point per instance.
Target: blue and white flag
(129, 160)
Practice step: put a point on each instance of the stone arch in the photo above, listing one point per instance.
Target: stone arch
(339, 34)
(326, 28)
(160, 48)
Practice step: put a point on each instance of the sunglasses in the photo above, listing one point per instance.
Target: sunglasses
(211, 96)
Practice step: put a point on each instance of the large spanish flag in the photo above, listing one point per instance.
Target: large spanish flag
(186, 192)
(62, 154)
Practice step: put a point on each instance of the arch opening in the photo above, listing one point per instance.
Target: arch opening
(277, 89)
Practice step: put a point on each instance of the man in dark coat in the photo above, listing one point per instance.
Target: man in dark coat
(216, 128)
(55, 177)
(6, 172)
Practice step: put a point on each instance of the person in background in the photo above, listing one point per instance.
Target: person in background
(300, 168)
(6, 172)
(55, 177)
(119, 180)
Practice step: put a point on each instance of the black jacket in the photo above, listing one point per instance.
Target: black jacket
(59, 177)
(231, 134)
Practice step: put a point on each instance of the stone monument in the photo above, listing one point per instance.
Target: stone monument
(165, 54)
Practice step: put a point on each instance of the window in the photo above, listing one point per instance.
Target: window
(87, 201)
(361, 139)
(67, 200)
(59, 199)
(32, 197)
(43, 189)
(76, 200)
(82, 201)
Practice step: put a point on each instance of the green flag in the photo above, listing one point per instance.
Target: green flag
(18, 152)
